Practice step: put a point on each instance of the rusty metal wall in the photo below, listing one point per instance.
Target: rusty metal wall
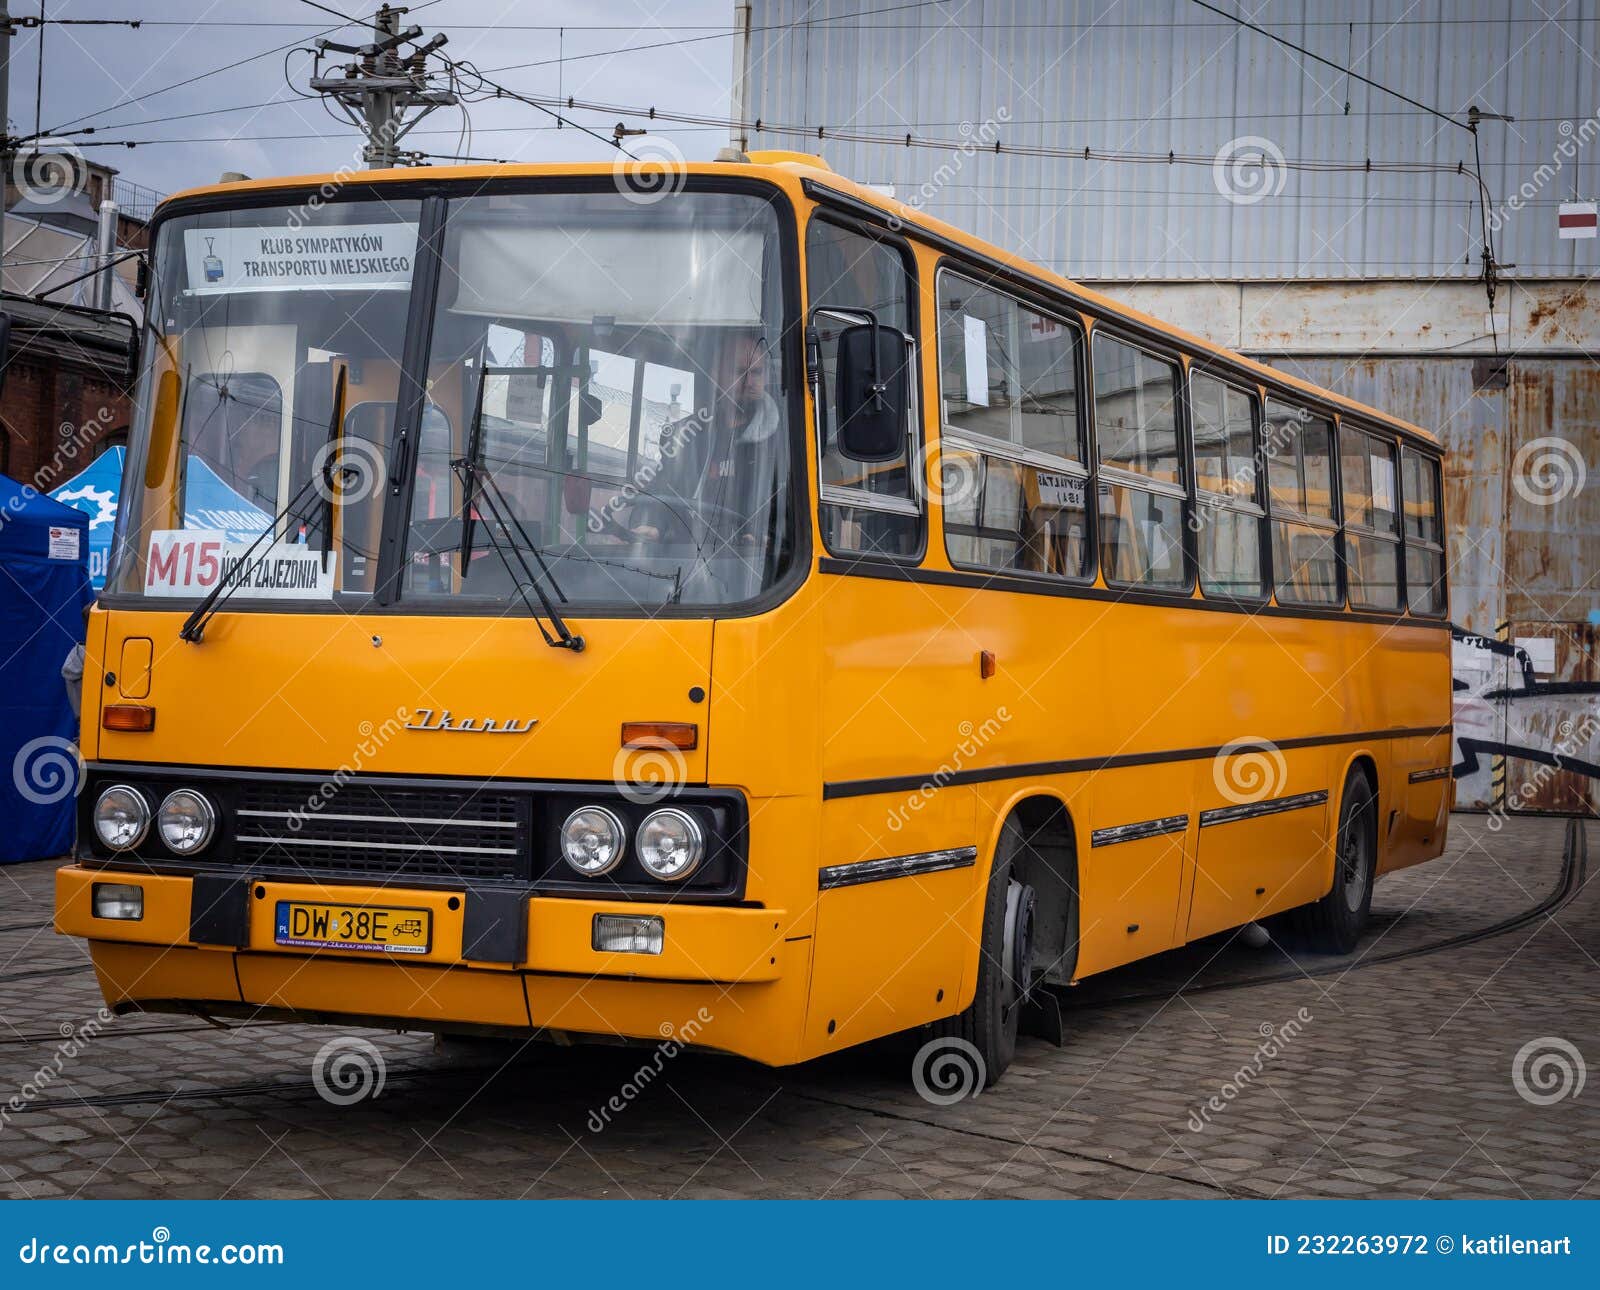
(1522, 500)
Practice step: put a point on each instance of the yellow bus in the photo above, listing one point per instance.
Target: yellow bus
(729, 605)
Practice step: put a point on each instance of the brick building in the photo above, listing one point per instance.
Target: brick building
(68, 373)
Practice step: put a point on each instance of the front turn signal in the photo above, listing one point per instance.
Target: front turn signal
(683, 735)
(128, 716)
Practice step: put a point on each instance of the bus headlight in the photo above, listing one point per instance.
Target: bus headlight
(592, 840)
(671, 845)
(121, 817)
(186, 822)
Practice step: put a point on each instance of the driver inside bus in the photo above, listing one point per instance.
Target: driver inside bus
(729, 468)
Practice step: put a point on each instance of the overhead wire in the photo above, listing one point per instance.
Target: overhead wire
(1470, 125)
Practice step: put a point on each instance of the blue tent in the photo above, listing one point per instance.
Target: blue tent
(208, 503)
(44, 585)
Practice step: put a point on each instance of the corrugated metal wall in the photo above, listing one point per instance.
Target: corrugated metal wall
(1167, 76)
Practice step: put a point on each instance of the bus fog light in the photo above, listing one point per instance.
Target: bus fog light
(121, 817)
(186, 822)
(625, 934)
(671, 845)
(118, 900)
(592, 839)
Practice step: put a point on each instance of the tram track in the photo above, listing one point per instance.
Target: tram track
(130, 1032)
(1573, 876)
(31, 973)
(256, 1088)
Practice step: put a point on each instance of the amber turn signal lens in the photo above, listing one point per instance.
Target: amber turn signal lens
(684, 735)
(128, 716)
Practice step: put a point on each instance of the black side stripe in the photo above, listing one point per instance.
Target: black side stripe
(1272, 806)
(860, 871)
(1135, 832)
(1027, 770)
(1423, 776)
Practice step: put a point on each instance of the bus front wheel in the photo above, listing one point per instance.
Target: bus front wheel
(1333, 925)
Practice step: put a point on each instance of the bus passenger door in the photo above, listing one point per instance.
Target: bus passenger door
(899, 848)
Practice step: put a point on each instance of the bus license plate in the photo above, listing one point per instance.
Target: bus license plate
(382, 929)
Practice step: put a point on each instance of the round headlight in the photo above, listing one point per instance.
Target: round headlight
(121, 817)
(592, 840)
(185, 822)
(671, 845)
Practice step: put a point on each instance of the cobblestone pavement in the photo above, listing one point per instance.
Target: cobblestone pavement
(1380, 1078)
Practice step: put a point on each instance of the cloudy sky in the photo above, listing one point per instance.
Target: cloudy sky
(244, 115)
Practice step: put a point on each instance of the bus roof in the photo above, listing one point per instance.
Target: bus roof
(802, 166)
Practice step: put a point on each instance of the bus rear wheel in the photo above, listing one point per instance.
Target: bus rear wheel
(1333, 925)
(989, 1025)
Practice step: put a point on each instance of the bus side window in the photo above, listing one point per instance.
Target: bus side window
(1012, 478)
(1298, 448)
(1141, 466)
(1229, 518)
(1371, 520)
(1424, 532)
(867, 508)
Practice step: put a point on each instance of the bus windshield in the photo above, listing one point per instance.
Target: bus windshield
(603, 404)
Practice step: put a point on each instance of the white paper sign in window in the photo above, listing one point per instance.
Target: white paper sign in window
(1061, 490)
(1382, 482)
(369, 256)
(976, 336)
(190, 562)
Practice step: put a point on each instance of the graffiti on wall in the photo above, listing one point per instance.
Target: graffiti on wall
(1525, 741)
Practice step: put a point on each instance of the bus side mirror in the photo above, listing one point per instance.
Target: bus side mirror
(5, 347)
(873, 393)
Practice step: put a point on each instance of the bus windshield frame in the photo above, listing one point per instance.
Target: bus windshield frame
(624, 545)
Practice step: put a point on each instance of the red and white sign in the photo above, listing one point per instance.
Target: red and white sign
(190, 562)
(1042, 328)
(1578, 219)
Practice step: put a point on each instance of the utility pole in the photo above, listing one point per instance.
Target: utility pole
(7, 151)
(738, 136)
(378, 90)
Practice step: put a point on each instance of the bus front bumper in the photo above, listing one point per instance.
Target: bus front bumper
(726, 977)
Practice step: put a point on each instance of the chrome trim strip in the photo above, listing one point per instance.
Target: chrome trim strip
(859, 871)
(1272, 806)
(1423, 776)
(1135, 832)
(968, 441)
(838, 495)
(374, 846)
(459, 821)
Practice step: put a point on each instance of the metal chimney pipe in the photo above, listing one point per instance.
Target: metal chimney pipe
(107, 249)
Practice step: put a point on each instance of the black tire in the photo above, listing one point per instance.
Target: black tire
(990, 1023)
(1334, 924)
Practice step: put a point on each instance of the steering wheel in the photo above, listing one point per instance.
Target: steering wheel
(686, 509)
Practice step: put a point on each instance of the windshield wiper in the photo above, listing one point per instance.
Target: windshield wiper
(499, 510)
(474, 451)
(194, 627)
(330, 454)
(471, 473)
